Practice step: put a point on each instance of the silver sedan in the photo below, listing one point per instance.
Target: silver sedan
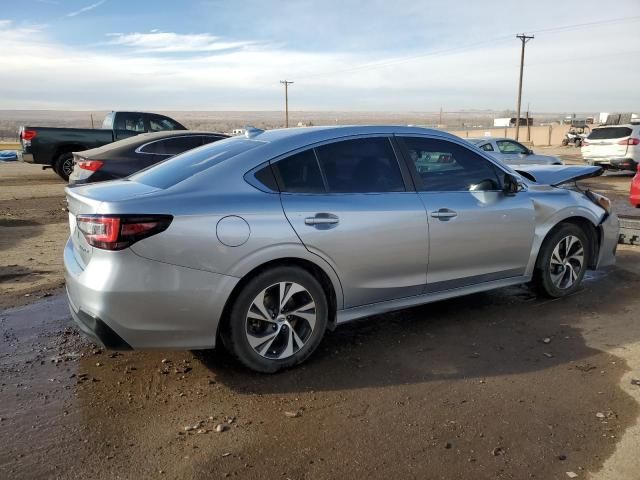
(513, 153)
(267, 240)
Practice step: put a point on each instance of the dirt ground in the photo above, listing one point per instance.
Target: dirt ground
(500, 385)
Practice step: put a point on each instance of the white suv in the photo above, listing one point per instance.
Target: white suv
(615, 146)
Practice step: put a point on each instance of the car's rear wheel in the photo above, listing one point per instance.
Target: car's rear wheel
(63, 165)
(562, 261)
(277, 320)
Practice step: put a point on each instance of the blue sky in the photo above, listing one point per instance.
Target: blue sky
(342, 55)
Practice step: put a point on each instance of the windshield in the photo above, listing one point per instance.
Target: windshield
(185, 165)
(609, 132)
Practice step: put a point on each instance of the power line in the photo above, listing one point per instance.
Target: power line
(524, 39)
(286, 84)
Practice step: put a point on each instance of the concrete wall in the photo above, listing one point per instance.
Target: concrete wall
(539, 136)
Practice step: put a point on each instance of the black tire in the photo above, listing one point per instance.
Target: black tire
(565, 142)
(63, 165)
(543, 282)
(234, 330)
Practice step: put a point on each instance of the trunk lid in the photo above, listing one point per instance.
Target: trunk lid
(555, 175)
(604, 142)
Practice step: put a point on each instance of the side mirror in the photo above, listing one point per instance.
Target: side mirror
(529, 152)
(510, 185)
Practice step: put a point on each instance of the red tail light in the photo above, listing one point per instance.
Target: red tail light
(630, 141)
(92, 165)
(115, 232)
(28, 134)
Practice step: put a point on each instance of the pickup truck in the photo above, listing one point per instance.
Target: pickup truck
(54, 147)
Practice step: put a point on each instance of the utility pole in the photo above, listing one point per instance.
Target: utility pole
(286, 84)
(524, 39)
(440, 123)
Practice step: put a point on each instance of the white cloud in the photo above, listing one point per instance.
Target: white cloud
(561, 74)
(86, 9)
(169, 42)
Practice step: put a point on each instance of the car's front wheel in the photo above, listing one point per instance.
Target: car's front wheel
(277, 320)
(562, 261)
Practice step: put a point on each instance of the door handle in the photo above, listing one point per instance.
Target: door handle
(444, 214)
(322, 219)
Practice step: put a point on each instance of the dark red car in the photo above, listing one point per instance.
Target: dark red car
(634, 194)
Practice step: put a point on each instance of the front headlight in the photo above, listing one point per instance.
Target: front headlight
(599, 200)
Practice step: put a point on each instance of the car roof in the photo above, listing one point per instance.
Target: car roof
(298, 137)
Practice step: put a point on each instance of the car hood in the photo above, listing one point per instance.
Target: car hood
(557, 174)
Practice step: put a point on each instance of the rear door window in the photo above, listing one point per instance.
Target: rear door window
(366, 165)
(609, 132)
(299, 173)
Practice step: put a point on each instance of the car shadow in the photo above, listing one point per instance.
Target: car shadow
(505, 332)
(14, 230)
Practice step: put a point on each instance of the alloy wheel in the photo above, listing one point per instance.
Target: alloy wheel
(567, 262)
(67, 167)
(280, 320)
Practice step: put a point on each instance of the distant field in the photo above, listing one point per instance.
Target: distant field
(9, 146)
(11, 120)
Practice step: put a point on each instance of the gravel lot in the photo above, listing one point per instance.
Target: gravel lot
(500, 385)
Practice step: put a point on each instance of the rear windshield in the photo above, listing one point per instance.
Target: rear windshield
(609, 132)
(185, 165)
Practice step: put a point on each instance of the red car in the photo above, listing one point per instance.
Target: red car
(634, 194)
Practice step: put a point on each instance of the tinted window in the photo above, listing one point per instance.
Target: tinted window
(158, 124)
(134, 122)
(211, 138)
(446, 166)
(172, 146)
(299, 173)
(265, 177)
(360, 166)
(509, 147)
(609, 132)
(181, 167)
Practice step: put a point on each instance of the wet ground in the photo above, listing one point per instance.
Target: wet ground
(499, 385)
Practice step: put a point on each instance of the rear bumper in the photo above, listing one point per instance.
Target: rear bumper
(615, 162)
(96, 328)
(609, 233)
(127, 301)
(25, 157)
(624, 163)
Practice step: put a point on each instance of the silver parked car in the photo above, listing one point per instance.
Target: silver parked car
(267, 240)
(512, 152)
